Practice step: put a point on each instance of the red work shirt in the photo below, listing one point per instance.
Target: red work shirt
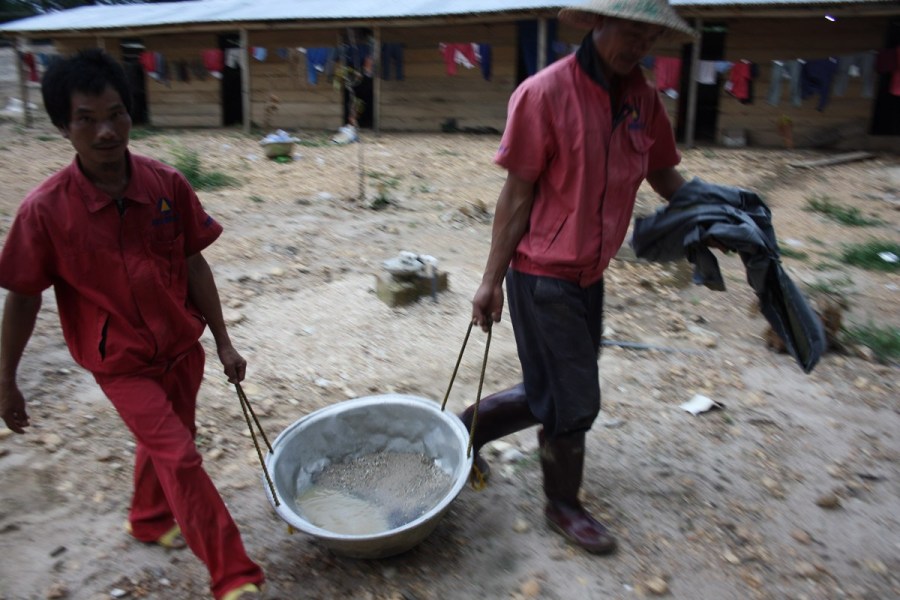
(120, 281)
(560, 134)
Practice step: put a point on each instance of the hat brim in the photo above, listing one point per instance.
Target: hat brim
(583, 19)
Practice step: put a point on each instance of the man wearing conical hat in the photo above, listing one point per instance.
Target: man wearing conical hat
(581, 136)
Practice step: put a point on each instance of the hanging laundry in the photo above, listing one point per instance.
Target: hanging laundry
(182, 71)
(316, 61)
(30, 64)
(862, 65)
(259, 53)
(147, 61)
(283, 53)
(740, 81)
(233, 58)
(706, 72)
(485, 57)
(785, 70)
(392, 61)
(161, 69)
(213, 61)
(816, 77)
(458, 54)
(667, 71)
(198, 70)
(888, 62)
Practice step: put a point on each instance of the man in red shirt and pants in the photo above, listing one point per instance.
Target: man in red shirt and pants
(119, 238)
(581, 135)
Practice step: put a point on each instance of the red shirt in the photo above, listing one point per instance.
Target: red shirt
(587, 169)
(120, 281)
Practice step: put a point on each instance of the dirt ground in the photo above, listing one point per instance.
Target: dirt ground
(792, 491)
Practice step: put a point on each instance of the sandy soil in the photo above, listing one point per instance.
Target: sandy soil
(791, 491)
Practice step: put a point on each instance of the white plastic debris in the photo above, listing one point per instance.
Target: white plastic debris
(701, 404)
(345, 135)
(888, 257)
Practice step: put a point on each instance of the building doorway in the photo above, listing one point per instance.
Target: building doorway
(131, 49)
(357, 56)
(706, 118)
(232, 93)
(886, 114)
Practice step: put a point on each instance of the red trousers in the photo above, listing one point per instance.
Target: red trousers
(170, 484)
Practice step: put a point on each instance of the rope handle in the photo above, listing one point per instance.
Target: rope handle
(478, 478)
(248, 412)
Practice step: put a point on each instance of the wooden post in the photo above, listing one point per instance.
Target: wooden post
(691, 123)
(21, 48)
(376, 81)
(542, 44)
(246, 96)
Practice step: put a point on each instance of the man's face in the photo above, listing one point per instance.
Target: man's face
(98, 129)
(622, 44)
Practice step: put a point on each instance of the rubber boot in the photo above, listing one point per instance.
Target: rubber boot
(562, 460)
(499, 415)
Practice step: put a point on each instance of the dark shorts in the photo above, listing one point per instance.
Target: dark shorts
(558, 325)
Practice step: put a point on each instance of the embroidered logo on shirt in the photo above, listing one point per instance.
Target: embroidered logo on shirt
(167, 215)
(632, 116)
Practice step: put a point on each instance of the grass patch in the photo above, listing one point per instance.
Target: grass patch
(188, 162)
(791, 253)
(257, 199)
(845, 215)
(46, 138)
(144, 132)
(870, 255)
(834, 287)
(315, 142)
(883, 341)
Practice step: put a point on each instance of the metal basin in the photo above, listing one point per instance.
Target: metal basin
(347, 430)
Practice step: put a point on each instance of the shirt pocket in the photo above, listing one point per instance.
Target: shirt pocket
(640, 144)
(167, 257)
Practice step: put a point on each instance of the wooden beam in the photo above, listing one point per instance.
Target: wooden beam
(833, 160)
(21, 48)
(246, 100)
(542, 44)
(691, 118)
(376, 83)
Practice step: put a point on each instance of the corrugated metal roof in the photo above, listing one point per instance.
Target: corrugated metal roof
(89, 18)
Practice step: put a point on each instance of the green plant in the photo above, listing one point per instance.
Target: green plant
(188, 163)
(791, 253)
(875, 255)
(883, 341)
(46, 138)
(841, 214)
(835, 287)
(384, 186)
(143, 132)
(257, 199)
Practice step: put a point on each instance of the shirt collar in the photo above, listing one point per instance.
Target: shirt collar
(591, 63)
(95, 199)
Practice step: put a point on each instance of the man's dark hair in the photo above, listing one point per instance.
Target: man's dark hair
(89, 72)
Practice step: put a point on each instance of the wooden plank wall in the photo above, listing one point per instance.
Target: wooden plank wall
(196, 102)
(300, 104)
(764, 40)
(429, 96)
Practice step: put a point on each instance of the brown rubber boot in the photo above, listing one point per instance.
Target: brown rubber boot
(499, 415)
(562, 460)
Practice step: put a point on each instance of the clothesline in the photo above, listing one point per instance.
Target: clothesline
(825, 77)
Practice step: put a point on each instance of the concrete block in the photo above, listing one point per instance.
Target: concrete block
(399, 292)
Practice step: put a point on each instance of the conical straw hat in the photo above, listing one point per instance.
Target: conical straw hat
(656, 12)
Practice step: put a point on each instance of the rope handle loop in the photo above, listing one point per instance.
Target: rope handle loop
(248, 412)
(478, 479)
